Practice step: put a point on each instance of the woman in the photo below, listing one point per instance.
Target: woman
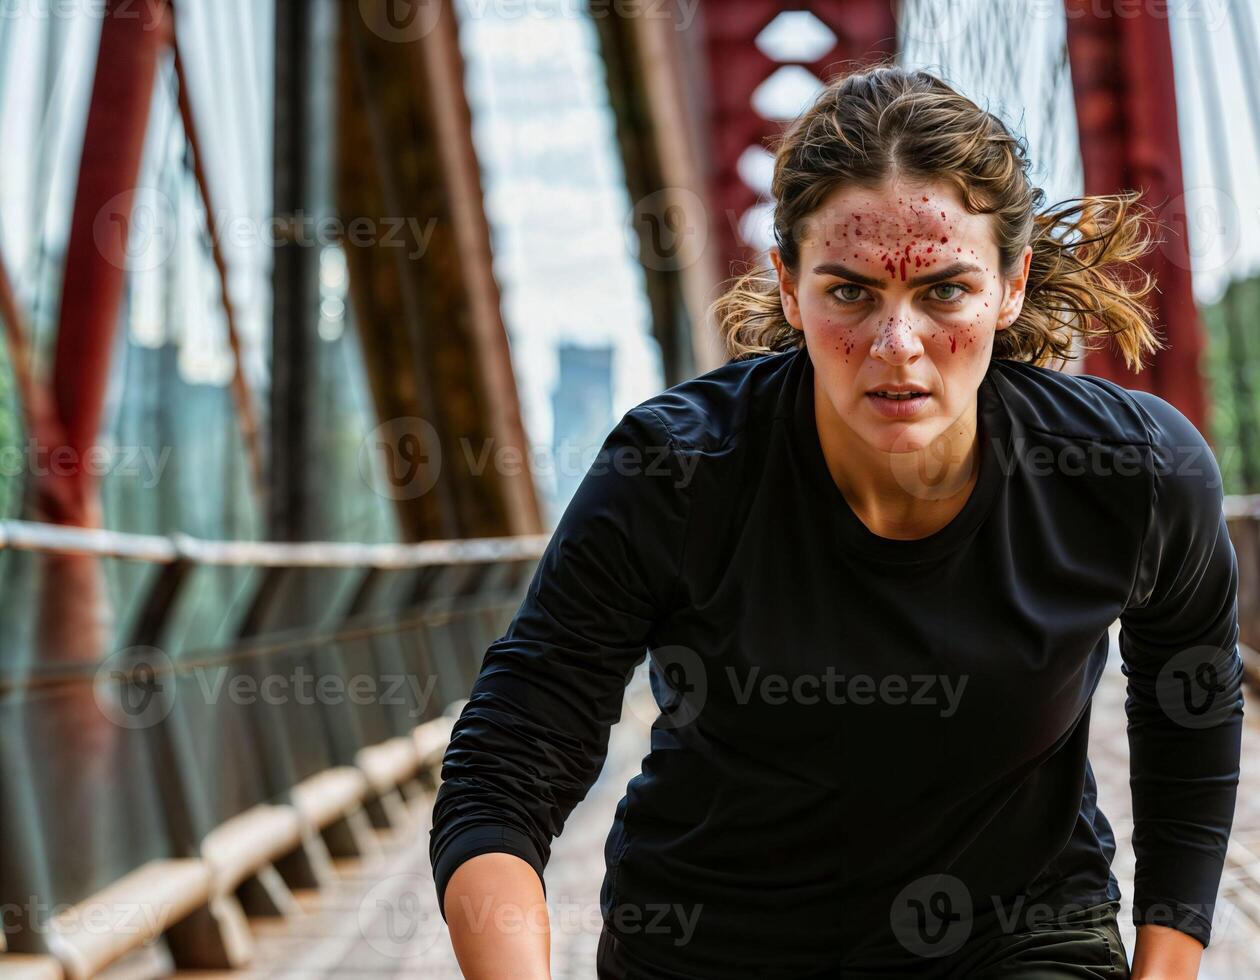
(874, 559)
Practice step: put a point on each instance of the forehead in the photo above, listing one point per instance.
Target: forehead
(893, 216)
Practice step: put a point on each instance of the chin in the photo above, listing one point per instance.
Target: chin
(901, 437)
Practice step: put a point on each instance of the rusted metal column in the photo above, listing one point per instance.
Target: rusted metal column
(648, 54)
(1126, 107)
(425, 299)
(304, 59)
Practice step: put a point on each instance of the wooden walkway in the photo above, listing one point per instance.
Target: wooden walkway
(381, 918)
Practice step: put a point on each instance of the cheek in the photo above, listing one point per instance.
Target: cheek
(967, 330)
(844, 340)
(963, 338)
(954, 336)
(837, 334)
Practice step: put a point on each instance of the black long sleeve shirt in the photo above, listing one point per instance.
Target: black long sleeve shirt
(870, 751)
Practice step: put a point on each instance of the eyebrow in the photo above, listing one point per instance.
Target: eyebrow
(949, 272)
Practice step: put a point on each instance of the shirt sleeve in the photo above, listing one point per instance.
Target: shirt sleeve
(1179, 651)
(533, 736)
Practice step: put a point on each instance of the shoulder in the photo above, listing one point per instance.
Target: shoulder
(1091, 409)
(1171, 433)
(1076, 407)
(1188, 475)
(709, 412)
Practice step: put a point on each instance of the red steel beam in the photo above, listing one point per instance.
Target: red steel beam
(1126, 107)
(866, 31)
(133, 35)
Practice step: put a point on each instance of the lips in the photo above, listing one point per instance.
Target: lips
(892, 403)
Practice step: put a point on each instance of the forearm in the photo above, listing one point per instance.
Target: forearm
(1164, 953)
(497, 915)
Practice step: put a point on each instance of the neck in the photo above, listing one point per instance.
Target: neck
(901, 495)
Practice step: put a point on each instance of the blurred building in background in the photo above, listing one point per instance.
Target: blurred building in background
(582, 410)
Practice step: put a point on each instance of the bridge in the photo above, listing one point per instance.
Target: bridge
(300, 339)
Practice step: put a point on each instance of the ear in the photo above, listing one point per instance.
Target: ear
(787, 290)
(1013, 299)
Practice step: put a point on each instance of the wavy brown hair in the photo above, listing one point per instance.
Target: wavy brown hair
(872, 125)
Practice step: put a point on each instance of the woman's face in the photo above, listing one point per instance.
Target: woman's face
(899, 286)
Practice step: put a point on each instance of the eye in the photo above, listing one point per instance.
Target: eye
(948, 285)
(848, 298)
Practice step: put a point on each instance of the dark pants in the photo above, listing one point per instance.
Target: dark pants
(1083, 945)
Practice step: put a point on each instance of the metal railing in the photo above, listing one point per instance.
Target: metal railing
(287, 688)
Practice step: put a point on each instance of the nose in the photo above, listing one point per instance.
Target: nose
(896, 341)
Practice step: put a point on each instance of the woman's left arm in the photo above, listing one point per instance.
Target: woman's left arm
(1164, 953)
(1179, 650)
